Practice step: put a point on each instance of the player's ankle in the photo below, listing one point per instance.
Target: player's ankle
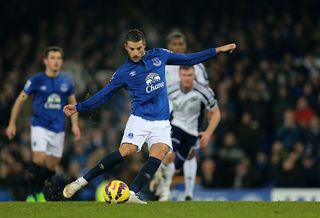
(82, 181)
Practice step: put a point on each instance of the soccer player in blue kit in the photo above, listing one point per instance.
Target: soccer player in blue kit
(51, 90)
(143, 75)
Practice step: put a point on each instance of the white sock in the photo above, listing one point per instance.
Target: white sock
(169, 172)
(190, 173)
(82, 181)
(166, 172)
(159, 175)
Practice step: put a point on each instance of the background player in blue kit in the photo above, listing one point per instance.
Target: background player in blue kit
(143, 75)
(51, 90)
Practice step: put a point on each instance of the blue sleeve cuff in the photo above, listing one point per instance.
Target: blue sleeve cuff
(79, 107)
(214, 51)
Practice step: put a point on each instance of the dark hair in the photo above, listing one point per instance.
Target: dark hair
(52, 48)
(184, 67)
(176, 34)
(135, 35)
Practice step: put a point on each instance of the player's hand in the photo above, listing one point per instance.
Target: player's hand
(76, 133)
(11, 131)
(204, 139)
(226, 48)
(70, 109)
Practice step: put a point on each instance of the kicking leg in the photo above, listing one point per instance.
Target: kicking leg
(107, 163)
(157, 153)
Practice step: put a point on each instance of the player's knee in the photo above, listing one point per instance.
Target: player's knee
(52, 165)
(39, 159)
(127, 149)
(159, 151)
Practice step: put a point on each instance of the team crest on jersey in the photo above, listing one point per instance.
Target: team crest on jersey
(64, 87)
(156, 62)
(43, 88)
(153, 82)
(130, 135)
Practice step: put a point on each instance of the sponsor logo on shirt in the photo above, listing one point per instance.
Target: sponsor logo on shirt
(153, 81)
(53, 102)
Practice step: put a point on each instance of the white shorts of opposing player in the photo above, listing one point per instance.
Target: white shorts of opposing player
(138, 131)
(44, 140)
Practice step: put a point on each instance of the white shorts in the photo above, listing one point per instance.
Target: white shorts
(138, 131)
(47, 141)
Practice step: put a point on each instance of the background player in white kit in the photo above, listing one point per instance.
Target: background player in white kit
(186, 99)
(176, 42)
(51, 90)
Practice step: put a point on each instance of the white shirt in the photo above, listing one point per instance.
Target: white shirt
(186, 106)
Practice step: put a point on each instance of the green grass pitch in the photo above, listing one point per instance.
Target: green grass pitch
(163, 210)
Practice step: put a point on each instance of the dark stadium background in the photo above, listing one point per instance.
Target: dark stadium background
(268, 89)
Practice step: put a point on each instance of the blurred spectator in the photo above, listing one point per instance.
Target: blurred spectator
(291, 172)
(249, 135)
(303, 113)
(208, 173)
(313, 138)
(246, 176)
(228, 156)
(288, 132)
(282, 103)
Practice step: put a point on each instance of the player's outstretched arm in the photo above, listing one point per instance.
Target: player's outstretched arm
(226, 48)
(102, 97)
(11, 129)
(70, 109)
(197, 57)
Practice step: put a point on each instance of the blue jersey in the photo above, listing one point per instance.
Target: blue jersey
(145, 82)
(50, 95)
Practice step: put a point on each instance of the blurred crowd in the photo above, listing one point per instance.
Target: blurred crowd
(268, 89)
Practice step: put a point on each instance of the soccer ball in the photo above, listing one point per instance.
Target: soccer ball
(116, 192)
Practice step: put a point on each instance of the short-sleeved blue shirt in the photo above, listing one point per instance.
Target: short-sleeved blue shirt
(50, 95)
(145, 82)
